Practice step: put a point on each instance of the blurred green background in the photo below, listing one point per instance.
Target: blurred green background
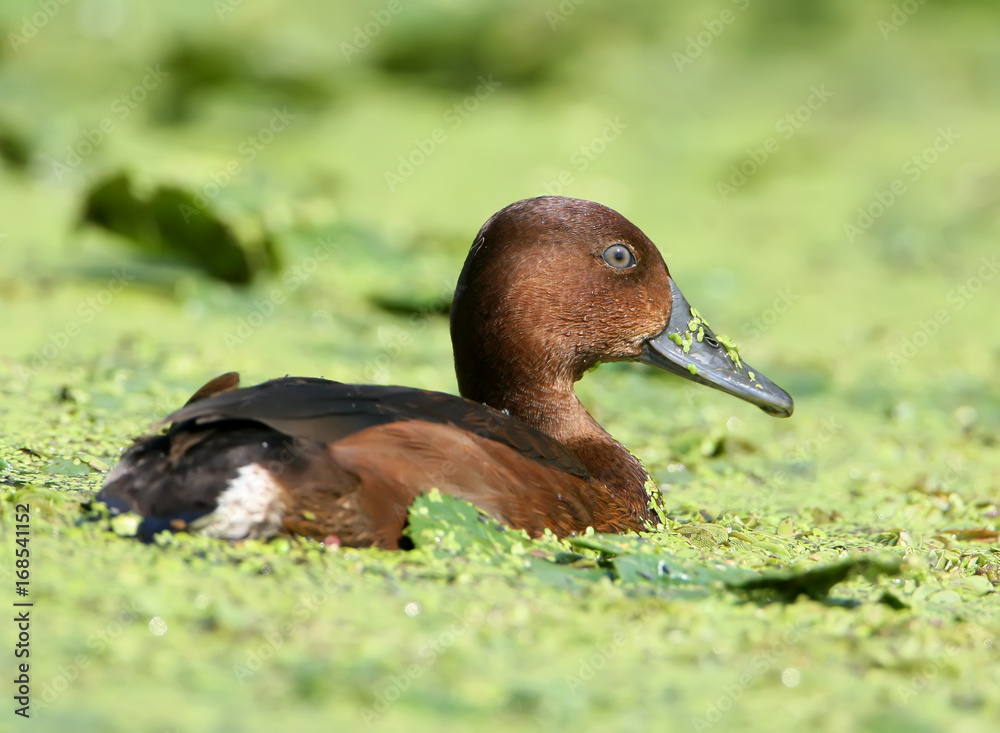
(195, 187)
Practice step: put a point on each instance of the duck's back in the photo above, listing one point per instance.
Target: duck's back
(320, 458)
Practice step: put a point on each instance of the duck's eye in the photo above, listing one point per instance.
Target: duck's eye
(619, 256)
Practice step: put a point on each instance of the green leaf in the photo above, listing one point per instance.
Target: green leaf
(68, 468)
(444, 522)
(816, 582)
(171, 222)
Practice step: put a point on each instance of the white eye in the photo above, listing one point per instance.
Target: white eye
(619, 257)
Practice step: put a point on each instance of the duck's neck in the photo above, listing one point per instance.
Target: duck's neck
(555, 410)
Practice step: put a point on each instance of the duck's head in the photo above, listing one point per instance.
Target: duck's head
(553, 285)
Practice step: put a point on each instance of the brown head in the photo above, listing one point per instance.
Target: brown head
(551, 287)
(554, 285)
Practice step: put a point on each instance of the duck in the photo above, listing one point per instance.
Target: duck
(552, 287)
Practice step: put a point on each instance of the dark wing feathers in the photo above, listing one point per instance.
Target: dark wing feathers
(328, 411)
(223, 383)
(345, 460)
(181, 474)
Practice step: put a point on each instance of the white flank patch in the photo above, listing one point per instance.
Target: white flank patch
(251, 507)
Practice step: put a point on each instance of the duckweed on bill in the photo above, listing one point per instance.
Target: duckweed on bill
(731, 349)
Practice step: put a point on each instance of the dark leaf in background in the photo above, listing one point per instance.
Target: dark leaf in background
(815, 583)
(412, 306)
(15, 150)
(170, 223)
(453, 49)
(197, 70)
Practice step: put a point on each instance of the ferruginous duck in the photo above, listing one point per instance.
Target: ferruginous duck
(551, 287)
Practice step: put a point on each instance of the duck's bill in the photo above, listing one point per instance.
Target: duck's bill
(689, 348)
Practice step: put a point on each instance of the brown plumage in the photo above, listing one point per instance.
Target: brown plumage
(551, 287)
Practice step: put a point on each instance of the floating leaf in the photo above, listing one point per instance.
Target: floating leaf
(67, 468)
(666, 569)
(173, 223)
(15, 150)
(979, 585)
(815, 583)
(446, 522)
(973, 534)
(714, 533)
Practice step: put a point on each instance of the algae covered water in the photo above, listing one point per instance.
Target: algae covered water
(277, 189)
